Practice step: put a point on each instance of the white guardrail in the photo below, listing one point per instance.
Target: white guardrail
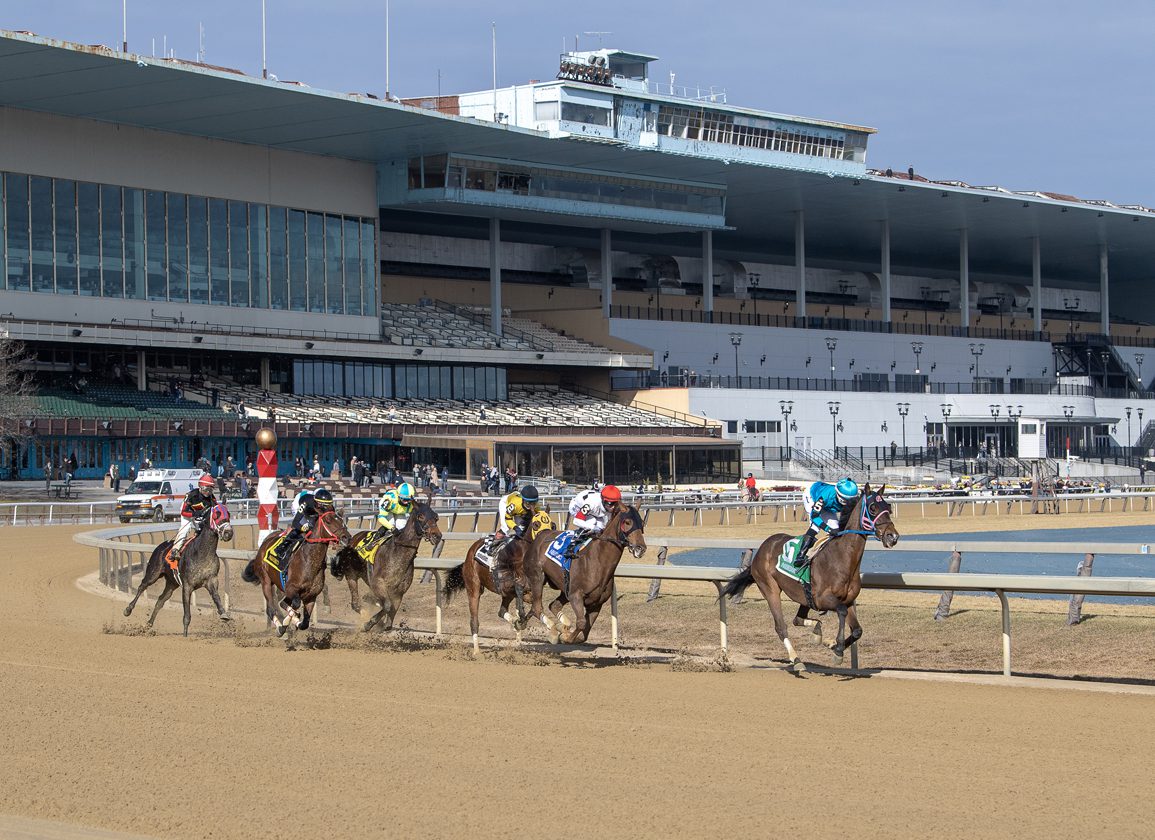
(702, 507)
(118, 546)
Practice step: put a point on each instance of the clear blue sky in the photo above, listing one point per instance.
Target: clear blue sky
(1055, 96)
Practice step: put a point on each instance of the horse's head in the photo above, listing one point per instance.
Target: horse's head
(423, 520)
(331, 528)
(628, 530)
(876, 516)
(221, 522)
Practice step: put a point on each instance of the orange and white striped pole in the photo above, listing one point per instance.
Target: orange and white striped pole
(267, 513)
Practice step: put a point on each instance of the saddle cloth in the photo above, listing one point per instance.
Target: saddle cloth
(368, 546)
(559, 547)
(786, 563)
(487, 552)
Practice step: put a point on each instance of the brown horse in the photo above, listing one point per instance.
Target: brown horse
(591, 574)
(199, 566)
(390, 574)
(834, 572)
(306, 573)
(475, 577)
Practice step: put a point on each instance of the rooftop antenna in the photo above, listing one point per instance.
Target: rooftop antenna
(599, 36)
(386, 50)
(264, 54)
(124, 25)
(493, 25)
(201, 43)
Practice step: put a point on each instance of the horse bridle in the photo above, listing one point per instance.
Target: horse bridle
(419, 527)
(622, 542)
(332, 537)
(868, 523)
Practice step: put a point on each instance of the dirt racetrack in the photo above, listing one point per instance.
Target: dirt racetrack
(217, 736)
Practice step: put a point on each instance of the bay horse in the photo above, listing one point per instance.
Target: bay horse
(306, 573)
(390, 574)
(199, 566)
(591, 574)
(475, 577)
(834, 573)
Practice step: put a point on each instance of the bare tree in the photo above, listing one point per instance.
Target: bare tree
(16, 398)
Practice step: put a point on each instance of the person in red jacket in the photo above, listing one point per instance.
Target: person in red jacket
(198, 504)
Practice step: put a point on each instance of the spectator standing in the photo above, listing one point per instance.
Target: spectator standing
(316, 468)
(47, 476)
(336, 468)
(392, 414)
(114, 474)
(243, 485)
(1143, 472)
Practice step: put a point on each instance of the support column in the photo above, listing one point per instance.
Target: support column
(607, 273)
(266, 379)
(800, 262)
(885, 274)
(964, 271)
(495, 275)
(1104, 296)
(1037, 283)
(141, 372)
(708, 271)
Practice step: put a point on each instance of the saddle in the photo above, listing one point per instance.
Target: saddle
(272, 557)
(487, 552)
(566, 546)
(367, 548)
(787, 560)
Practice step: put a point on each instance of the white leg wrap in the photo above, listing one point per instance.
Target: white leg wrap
(790, 650)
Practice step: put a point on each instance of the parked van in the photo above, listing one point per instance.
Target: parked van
(156, 494)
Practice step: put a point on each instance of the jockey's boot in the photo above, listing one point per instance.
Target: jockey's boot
(800, 559)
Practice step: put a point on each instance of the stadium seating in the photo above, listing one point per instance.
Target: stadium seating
(117, 402)
(441, 325)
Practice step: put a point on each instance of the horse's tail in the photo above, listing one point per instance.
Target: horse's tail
(737, 584)
(248, 575)
(454, 581)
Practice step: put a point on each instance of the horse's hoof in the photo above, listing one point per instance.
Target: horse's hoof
(837, 658)
(817, 634)
(127, 612)
(554, 638)
(226, 617)
(798, 666)
(281, 628)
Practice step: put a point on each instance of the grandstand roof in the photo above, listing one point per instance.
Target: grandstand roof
(842, 213)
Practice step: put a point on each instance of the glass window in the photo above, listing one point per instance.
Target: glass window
(111, 242)
(239, 253)
(334, 298)
(65, 216)
(218, 252)
(154, 239)
(368, 268)
(16, 232)
(352, 267)
(259, 255)
(278, 259)
(588, 114)
(88, 236)
(40, 202)
(298, 282)
(178, 274)
(315, 236)
(134, 258)
(198, 249)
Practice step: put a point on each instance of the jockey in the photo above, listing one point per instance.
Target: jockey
(392, 512)
(312, 507)
(516, 505)
(198, 504)
(591, 510)
(825, 505)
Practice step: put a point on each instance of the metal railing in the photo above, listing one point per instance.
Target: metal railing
(117, 569)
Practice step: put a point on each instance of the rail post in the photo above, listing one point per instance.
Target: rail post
(942, 613)
(1006, 611)
(656, 583)
(614, 613)
(439, 584)
(1075, 608)
(723, 627)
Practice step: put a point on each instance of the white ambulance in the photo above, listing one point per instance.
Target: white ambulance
(156, 494)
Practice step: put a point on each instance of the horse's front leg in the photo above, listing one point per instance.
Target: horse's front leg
(814, 624)
(838, 646)
(852, 622)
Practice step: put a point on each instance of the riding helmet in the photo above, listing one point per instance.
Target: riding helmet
(529, 495)
(206, 483)
(846, 490)
(610, 493)
(323, 498)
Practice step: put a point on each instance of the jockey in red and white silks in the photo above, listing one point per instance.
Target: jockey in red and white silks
(591, 509)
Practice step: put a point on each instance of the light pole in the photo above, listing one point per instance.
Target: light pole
(995, 409)
(916, 346)
(736, 340)
(787, 406)
(833, 407)
(1128, 410)
(903, 410)
(1072, 306)
(753, 281)
(1068, 412)
(1139, 372)
(946, 409)
(977, 351)
(831, 343)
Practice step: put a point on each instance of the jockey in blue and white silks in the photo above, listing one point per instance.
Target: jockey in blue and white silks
(825, 505)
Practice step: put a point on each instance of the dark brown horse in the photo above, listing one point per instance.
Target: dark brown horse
(390, 574)
(475, 577)
(591, 574)
(199, 566)
(306, 573)
(835, 580)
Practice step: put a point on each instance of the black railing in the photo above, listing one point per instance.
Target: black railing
(957, 460)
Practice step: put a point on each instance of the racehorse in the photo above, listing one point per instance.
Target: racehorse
(198, 567)
(835, 580)
(390, 574)
(305, 577)
(591, 574)
(474, 577)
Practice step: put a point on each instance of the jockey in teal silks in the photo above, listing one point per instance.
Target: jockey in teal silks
(825, 505)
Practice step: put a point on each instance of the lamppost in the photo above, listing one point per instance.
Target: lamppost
(833, 407)
(946, 409)
(1072, 306)
(995, 409)
(916, 346)
(831, 343)
(753, 281)
(787, 406)
(977, 351)
(1139, 365)
(1128, 411)
(903, 410)
(1068, 413)
(736, 340)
